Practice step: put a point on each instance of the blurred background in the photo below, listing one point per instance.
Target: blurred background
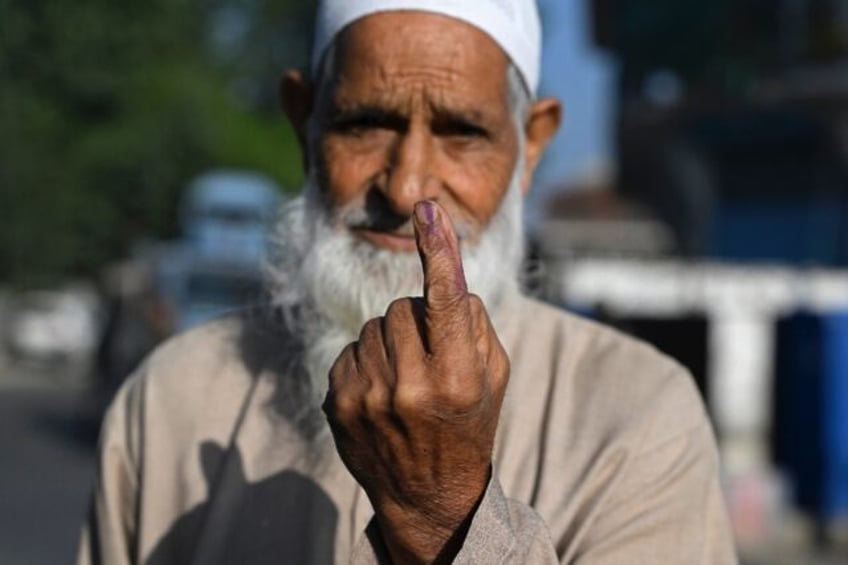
(697, 197)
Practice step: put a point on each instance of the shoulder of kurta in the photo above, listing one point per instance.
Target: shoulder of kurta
(618, 381)
(195, 353)
(225, 352)
(196, 382)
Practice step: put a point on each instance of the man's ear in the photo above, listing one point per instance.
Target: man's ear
(541, 126)
(295, 93)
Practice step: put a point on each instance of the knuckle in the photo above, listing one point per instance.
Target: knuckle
(400, 307)
(479, 315)
(460, 390)
(506, 364)
(408, 400)
(445, 291)
(463, 398)
(347, 353)
(502, 369)
(371, 331)
(341, 367)
(376, 402)
(341, 408)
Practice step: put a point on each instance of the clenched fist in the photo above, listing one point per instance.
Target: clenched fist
(414, 403)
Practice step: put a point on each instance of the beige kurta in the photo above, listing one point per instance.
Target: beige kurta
(603, 455)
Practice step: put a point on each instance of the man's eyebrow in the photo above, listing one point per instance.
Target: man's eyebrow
(343, 117)
(464, 121)
(365, 114)
(479, 116)
(468, 115)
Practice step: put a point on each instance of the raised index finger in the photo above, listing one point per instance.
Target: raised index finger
(448, 314)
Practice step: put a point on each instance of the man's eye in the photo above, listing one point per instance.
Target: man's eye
(461, 129)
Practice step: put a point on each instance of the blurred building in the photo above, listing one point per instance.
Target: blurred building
(745, 105)
(718, 229)
(584, 75)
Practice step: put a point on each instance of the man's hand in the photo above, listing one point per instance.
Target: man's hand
(414, 403)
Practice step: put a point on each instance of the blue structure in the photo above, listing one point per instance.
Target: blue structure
(811, 411)
(216, 267)
(225, 214)
(800, 229)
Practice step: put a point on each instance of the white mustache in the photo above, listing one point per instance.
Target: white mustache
(357, 217)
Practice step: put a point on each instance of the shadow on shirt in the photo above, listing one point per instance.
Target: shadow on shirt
(284, 518)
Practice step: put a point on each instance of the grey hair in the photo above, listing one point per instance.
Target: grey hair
(518, 95)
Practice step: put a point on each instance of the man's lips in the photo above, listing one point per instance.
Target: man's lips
(387, 240)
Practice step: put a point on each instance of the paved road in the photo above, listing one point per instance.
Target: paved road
(47, 447)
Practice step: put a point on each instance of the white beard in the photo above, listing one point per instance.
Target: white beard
(327, 282)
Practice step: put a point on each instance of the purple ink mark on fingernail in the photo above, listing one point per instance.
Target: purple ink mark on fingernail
(425, 212)
(430, 212)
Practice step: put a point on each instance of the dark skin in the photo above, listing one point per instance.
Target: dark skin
(417, 116)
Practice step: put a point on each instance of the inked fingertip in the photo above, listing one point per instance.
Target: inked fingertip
(425, 212)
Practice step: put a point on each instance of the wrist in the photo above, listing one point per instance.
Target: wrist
(432, 533)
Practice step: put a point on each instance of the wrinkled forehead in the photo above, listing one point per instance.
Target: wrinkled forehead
(513, 24)
(393, 53)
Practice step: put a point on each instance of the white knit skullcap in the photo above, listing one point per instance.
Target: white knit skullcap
(512, 24)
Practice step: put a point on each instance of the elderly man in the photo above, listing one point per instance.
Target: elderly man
(476, 428)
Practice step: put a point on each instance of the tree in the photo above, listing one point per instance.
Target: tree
(109, 108)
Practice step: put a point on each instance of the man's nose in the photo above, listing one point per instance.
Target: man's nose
(410, 177)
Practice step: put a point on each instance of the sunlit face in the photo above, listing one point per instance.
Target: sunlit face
(417, 108)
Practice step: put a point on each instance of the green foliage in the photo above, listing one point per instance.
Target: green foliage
(108, 109)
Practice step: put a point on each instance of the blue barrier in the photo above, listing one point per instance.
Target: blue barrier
(811, 411)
